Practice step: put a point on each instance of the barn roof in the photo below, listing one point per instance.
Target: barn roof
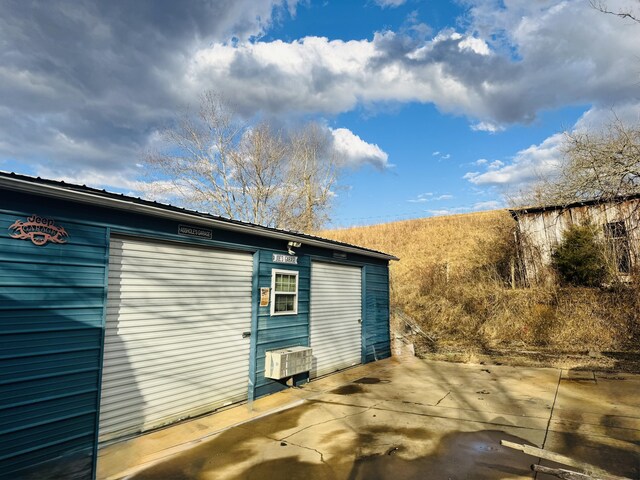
(94, 196)
(515, 212)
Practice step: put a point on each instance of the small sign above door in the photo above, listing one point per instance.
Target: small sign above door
(195, 231)
(280, 258)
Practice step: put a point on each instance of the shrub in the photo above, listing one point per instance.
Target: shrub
(453, 281)
(580, 258)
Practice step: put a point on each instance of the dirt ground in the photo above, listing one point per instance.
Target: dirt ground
(620, 362)
(410, 418)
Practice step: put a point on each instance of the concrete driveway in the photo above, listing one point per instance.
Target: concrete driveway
(401, 419)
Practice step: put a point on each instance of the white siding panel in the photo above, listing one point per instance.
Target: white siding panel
(173, 341)
(336, 314)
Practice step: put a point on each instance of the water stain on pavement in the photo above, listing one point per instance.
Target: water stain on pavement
(460, 455)
(621, 458)
(476, 455)
(249, 452)
(348, 389)
(370, 381)
(354, 387)
(226, 449)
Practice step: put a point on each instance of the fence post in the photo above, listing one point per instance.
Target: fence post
(513, 273)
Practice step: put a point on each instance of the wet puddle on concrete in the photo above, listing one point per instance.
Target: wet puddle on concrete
(460, 455)
(348, 389)
(354, 387)
(476, 455)
(370, 381)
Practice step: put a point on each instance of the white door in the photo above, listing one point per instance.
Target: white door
(336, 317)
(174, 345)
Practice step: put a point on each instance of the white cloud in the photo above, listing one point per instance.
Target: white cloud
(94, 178)
(430, 197)
(487, 127)
(57, 108)
(441, 156)
(389, 3)
(356, 152)
(598, 117)
(476, 45)
(504, 64)
(159, 190)
(441, 212)
(528, 165)
(488, 205)
(544, 159)
(422, 198)
(511, 62)
(316, 74)
(476, 207)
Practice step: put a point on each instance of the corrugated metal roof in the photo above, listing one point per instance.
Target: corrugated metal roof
(85, 194)
(581, 203)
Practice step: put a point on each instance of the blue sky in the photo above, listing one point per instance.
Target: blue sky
(439, 107)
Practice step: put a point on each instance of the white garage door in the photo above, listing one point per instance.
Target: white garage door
(336, 315)
(174, 343)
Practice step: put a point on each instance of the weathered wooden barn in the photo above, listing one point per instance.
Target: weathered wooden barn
(120, 315)
(541, 229)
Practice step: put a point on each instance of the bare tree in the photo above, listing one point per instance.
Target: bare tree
(211, 161)
(314, 169)
(197, 158)
(260, 165)
(627, 13)
(597, 164)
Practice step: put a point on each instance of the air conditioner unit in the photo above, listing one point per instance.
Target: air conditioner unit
(287, 362)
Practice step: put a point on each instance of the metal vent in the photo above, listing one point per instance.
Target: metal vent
(287, 362)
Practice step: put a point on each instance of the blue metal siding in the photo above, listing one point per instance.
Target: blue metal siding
(377, 343)
(52, 302)
(291, 330)
(282, 330)
(51, 310)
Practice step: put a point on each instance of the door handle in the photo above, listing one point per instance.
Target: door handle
(246, 334)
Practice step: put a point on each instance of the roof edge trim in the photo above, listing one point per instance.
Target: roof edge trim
(580, 203)
(124, 204)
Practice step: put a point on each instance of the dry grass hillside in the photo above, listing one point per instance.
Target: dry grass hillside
(454, 281)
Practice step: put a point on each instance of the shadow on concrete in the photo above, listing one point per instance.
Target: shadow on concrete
(476, 455)
(603, 428)
(463, 435)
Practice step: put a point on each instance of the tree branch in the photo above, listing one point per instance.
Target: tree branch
(602, 7)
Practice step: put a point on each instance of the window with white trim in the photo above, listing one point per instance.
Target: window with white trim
(284, 292)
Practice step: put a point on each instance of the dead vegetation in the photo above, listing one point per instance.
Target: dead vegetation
(454, 284)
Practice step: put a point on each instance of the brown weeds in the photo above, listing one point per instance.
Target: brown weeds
(455, 279)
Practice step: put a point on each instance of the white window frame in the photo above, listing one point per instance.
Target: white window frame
(274, 272)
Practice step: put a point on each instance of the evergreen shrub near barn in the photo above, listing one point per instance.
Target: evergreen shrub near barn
(580, 258)
(454, 284)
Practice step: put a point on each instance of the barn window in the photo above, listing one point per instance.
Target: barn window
(618, 242)
(284, 292)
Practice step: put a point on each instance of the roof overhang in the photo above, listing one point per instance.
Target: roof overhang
(515, 212)
(126, 203)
